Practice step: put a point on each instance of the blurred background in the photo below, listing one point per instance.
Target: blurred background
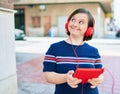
(47, 18)
(29, 27)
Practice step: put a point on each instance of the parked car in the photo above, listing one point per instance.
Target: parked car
(19, 34)
(118, 34)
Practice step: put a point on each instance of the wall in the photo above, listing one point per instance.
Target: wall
(63, 10)
(8, 77)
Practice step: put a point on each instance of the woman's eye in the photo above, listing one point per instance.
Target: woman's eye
(73, 20)
(81, 22)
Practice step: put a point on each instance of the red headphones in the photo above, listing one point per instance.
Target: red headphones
(66, 26)
(88, 32)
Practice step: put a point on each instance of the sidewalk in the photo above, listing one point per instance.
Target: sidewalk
(54, 39)
(104, 45)
(31, 78)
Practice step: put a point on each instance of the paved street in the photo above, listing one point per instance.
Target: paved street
(30, 53)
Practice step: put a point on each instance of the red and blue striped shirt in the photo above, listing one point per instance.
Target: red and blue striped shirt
(61, 58)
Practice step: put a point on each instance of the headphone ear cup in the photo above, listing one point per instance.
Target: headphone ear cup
(66, 26)
(89, 32)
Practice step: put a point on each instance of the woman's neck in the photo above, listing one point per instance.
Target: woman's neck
(75, 41)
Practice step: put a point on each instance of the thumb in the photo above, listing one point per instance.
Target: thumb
(71, 72)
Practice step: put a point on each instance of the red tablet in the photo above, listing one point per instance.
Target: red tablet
(87, 73)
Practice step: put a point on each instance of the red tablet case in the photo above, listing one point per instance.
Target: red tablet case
(87, 73)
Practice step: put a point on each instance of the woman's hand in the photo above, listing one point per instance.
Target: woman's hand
(71, 81)
(96, 81)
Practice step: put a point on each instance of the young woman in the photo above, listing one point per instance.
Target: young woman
(62, 57)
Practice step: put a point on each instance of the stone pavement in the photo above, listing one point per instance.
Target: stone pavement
(31, 78)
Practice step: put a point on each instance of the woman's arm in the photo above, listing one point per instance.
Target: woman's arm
(56, 78)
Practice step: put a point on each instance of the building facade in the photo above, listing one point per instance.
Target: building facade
(39, 18)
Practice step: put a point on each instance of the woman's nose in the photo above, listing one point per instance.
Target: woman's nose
(75, 23)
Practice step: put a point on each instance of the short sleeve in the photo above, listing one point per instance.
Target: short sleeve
(98, 61)
(49, 62)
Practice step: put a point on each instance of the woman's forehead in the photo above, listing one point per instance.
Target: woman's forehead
(80, 16)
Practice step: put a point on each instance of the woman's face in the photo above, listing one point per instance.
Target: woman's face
(78, 24)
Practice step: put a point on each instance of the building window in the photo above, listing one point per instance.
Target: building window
(35, 21)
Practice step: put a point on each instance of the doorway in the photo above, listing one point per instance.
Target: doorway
(19, 19)
(46, 24)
